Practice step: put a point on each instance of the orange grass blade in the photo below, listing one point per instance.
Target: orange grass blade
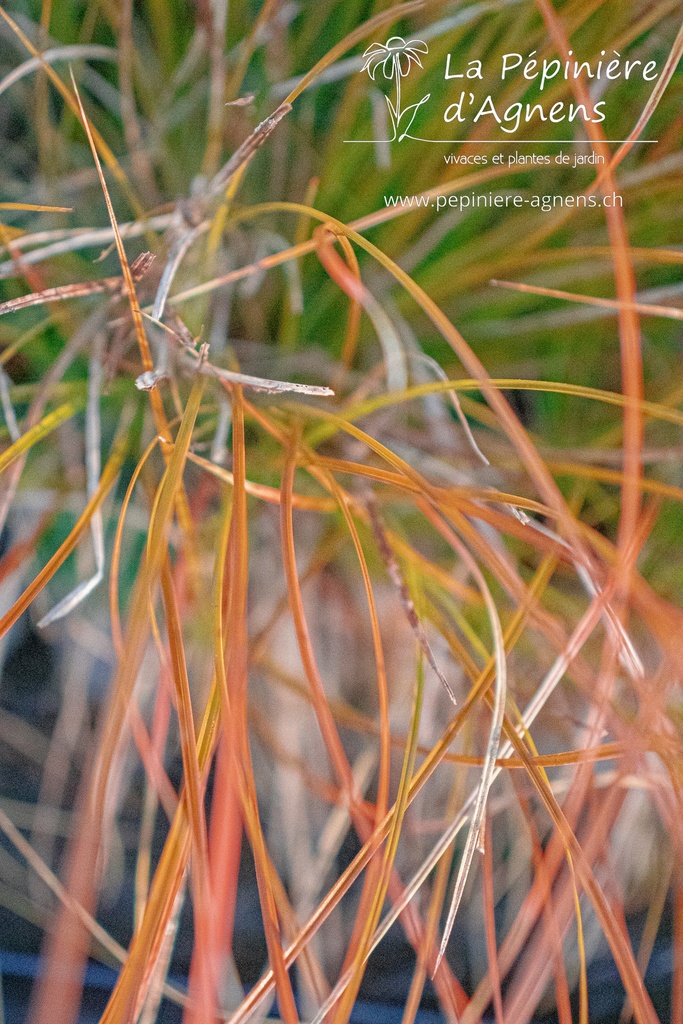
(123, 259)
(629, 324)
(323, 714)
(490, 925)
(117, 633)
(193, 795)
(591, 300)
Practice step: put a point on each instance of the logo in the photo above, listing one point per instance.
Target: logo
(471, 102)
(395, 58)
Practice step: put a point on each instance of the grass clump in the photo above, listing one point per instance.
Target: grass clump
(343, 531)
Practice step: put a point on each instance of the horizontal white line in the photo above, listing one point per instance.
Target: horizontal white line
(517, 142)
(522, 142)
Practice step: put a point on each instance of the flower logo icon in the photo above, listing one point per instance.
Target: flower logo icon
(395, 58)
